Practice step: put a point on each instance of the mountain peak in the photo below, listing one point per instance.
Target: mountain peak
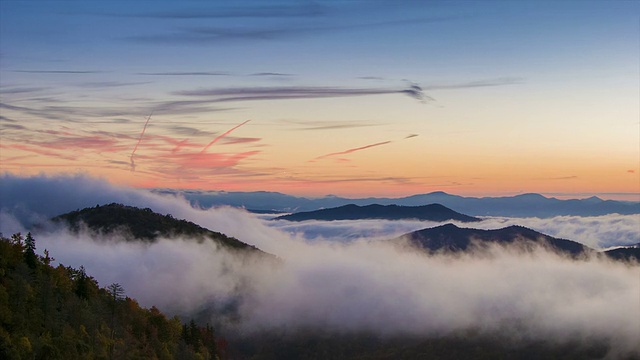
(142, 224)
(450, 237)
(593, 200)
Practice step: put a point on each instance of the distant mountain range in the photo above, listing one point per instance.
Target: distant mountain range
(142, 225)
(525, 205)
(431, 212)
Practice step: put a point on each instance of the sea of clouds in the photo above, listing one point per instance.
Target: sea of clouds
(333, 276)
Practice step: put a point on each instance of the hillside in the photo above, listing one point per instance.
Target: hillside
(432, 212)
(452, 238)
(60, 312)
(142, 224)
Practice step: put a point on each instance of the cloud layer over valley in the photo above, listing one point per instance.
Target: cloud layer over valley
(344, 286)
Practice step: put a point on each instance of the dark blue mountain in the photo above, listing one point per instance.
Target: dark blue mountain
(450, 238)
(431, 212)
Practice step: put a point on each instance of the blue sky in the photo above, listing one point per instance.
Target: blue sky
(516, 96)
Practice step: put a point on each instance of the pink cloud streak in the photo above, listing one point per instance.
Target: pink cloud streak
(222, 136)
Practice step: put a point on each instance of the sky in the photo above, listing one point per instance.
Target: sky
(357, 98)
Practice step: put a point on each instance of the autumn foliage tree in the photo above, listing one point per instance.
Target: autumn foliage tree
(60, 312)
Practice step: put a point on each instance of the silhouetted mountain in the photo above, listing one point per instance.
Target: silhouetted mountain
(432, 212)
(142, 224)
(627, 253)
(452, 238)
(525, 205)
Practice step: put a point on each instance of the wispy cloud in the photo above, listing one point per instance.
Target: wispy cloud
(98, 143)
(308, 9)
(12, 126)
(204, 35)
(21, 90)
(297, 92)
(240, 140)
(38, 150)
(478, 83)
(59, 71)
(271, 74)
(108, 84)
(194, 161)
(327, 125)
(185, 73)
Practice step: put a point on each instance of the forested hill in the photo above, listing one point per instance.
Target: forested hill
(452, 238)
(142, 224)
(60, 312)
(431, 212)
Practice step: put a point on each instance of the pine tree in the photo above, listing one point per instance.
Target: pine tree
(30, 257)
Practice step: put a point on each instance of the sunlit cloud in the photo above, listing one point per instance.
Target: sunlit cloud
(40, 151)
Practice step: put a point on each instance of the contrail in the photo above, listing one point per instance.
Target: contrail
(349, 151)
(221, 136)
(133, 164)
(352, 150)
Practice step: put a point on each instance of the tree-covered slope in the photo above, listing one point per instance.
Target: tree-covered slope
(59, 312)
(142, 224)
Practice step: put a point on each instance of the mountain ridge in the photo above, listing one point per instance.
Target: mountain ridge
(451, 238)
(523, 205)
(430, 212)
(143, 224)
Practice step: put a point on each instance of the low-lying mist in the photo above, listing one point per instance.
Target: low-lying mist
(598, 232)
(343, 286)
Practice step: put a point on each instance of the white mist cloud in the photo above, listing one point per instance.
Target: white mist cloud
(373, 287)
(595, 231)
(351, 285)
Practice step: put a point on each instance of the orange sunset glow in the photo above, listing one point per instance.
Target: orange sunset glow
(322, 112)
